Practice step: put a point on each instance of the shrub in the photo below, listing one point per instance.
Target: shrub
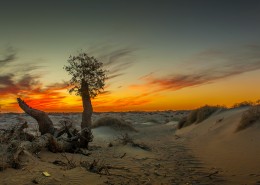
(249, 117)
(116, 123)
(243, 104)
(205, 112)
(192, 116)
(153, 121)
(182, 122)
(166, 120)
(198, 115)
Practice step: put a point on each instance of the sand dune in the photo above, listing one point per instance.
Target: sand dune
(235, 154)
(210, 152)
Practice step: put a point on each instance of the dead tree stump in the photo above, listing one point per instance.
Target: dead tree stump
(44, 122)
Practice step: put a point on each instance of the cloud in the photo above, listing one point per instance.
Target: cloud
(23, 80)
(16, 81)
(58, 86)
(206, 67)
(121, 104)
(115, 56)
(9, 56)
(49, 98)
(115, 59)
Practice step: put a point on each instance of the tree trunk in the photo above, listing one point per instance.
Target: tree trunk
(86, 135)
(44, 122)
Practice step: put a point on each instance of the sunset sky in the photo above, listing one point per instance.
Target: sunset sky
(161, 55)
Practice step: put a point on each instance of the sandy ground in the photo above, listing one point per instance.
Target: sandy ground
(236, 156)
(207, 153)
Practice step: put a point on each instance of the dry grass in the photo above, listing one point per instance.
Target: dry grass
(205, 112)
(249, 117)
(116, 123)
(153, 121)
(182, 123)
(192, 116)
(126, 139)
(243, 104)
(198, 115)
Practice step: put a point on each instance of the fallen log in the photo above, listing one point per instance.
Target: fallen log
(17, 148)
(21, 143)
(44, 122)
(15, 132)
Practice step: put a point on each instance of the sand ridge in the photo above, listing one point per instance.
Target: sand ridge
(208, 153)
(237, 154)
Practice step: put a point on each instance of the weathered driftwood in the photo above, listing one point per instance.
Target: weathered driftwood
(17, 148)
(15, 143)
(16, 133)
(51, 137)
(10, 138)
(44, 122)
(46, 125)
(46, 140)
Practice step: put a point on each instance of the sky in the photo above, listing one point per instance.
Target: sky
(160, 54)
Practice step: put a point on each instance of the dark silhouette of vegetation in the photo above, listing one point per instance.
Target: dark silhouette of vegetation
(243, 104)
(249, 117)
(182, 123)
(198, 115)
(88, 80)
(116, 123)
(204, 112)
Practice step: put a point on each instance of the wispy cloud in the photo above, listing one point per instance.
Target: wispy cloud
(115, 59)
(18, 77)
(206, 67)
(122, 104)
(21, 80)
(8, 56)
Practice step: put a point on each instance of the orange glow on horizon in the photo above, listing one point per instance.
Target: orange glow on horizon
(140, 98)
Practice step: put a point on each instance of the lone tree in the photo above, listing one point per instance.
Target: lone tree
(88, 80)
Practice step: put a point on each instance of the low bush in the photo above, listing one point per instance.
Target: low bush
(205, 112)
(116, 123)
(153, 121)
(198, 115)
(243, 104)
(182, 122)
(249, 117)
(192, 116)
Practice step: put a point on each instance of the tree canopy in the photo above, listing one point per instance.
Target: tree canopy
(86, 70)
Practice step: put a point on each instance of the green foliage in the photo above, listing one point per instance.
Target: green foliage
(249, 117)
(88, 70)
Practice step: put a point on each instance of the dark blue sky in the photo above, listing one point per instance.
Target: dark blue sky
(168, 23)
(183, 42)
(164, 31)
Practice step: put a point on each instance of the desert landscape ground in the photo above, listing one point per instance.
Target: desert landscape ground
(113, 92)
(155, 151)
